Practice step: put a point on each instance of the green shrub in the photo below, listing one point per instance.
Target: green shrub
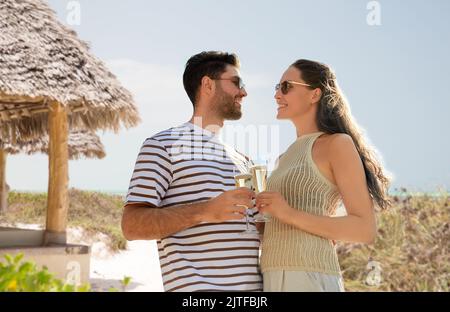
(17, 275)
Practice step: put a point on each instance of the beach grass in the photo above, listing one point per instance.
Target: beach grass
(93, 211)
(411, 251)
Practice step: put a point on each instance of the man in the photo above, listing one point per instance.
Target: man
(182, 190)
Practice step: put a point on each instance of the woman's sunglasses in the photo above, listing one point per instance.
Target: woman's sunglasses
(286, 85)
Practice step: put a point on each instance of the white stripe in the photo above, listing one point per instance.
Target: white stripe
(203, 257)
(202, 264)
(229, 280)
(205, 247)
(214, 227)
(206, 176)
(219, 271)
(192, 188)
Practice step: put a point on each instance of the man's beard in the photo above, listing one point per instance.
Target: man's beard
(225, 107)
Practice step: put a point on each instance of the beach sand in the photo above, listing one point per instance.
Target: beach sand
(140, 262)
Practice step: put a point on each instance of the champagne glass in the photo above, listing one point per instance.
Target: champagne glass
(259, 181)
(245, 180)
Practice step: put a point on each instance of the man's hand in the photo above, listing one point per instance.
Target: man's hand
(230, 205)
(141, 221)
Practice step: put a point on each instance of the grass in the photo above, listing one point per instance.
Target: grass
(411, 252)
(412, 249)
(93, 211)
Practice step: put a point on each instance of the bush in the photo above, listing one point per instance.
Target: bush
(18, 275)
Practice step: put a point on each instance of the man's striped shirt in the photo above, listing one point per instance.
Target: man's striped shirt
(187, 164)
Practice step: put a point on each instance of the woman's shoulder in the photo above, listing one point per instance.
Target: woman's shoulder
(340, 139)
(336, 139)
(338, 143)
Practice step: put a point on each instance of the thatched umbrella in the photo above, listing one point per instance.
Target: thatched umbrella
(81, 144)
(49, 82)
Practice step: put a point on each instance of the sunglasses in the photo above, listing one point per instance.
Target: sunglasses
(237, 81)
(286, 85)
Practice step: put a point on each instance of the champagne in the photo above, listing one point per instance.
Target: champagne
(243, 180)
(259, 178)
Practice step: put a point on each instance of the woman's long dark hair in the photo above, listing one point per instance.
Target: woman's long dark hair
(333, 116)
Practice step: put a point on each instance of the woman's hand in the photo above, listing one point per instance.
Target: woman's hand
(274, 204)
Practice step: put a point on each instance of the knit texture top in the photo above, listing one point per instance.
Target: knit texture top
(303, 186)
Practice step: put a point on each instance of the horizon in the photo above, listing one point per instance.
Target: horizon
(396, 192)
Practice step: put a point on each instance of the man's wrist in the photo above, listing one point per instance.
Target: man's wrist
(201, 211)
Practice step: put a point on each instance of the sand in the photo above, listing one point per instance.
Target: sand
(140, 262)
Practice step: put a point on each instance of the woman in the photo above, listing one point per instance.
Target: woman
(328, 163)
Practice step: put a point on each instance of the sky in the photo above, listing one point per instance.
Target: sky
(390, 58)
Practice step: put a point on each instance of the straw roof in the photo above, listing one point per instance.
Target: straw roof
(81, 143)
(41, 61)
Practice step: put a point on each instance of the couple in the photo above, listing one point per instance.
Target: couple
(183, 195)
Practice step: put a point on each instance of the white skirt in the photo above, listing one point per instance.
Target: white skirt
(298, 281)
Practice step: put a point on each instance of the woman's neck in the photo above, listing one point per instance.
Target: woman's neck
(305, 126)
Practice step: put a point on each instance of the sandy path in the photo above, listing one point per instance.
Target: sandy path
(140, 262)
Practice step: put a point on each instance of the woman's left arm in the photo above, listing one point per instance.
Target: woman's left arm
(358, 225)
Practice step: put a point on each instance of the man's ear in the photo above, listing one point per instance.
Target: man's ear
(207, 85)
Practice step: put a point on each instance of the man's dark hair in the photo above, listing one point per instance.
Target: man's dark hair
(206, 63)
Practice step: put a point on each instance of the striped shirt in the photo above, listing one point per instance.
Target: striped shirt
(188, 164)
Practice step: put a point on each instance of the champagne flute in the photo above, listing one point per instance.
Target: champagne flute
(245, 180)
(259, 180)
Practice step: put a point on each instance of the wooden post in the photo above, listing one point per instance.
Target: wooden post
(3, 186)
(58, 179)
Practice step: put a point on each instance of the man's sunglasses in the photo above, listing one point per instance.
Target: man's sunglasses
(286, 85)
(237, 81)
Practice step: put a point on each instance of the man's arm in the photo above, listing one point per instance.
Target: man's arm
(142, 221)
(145, 222)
